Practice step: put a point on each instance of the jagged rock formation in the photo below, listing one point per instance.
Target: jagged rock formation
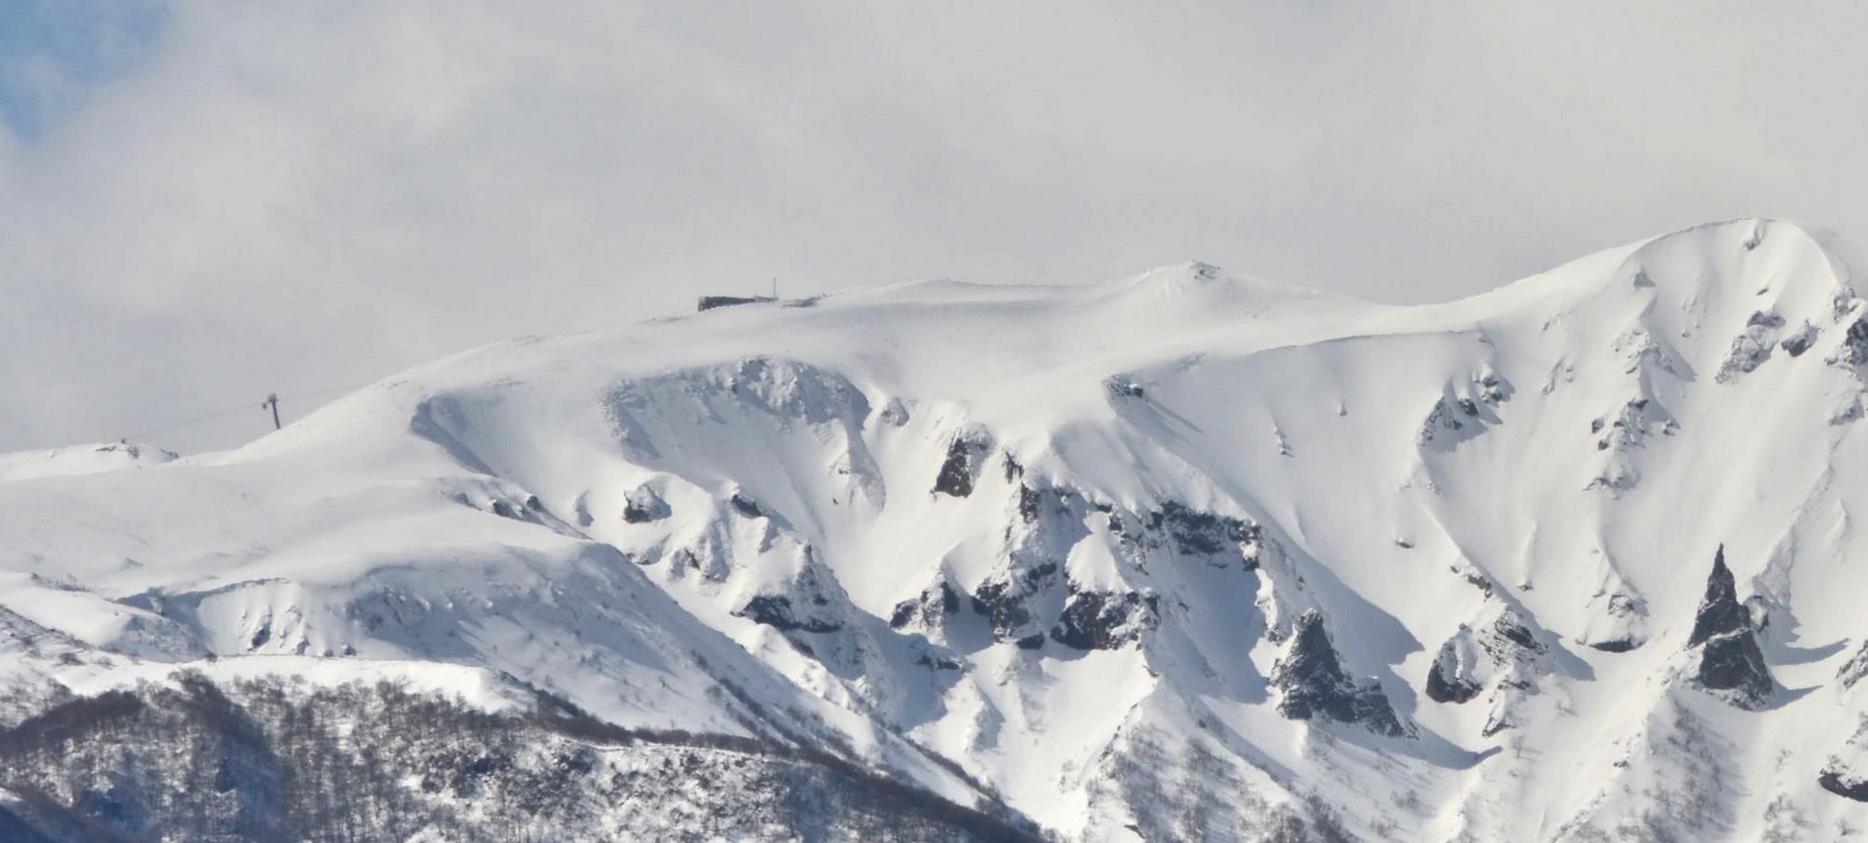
(1729, 660)
(1752, 346)
(1855, 668)
(1312, 684)
(928, 610)
(1843, 772)
(1451, 678)
(1854, 350)
(1086, 635)
(1100, 620)
(1800, 340)
(776, 611)
(966, 455)
(643, 505)
(1505, 655)
(1219, 540)
(1003, 601)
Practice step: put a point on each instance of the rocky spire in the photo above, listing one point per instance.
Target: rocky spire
(1313, 683)
(1719, 611)
(1730, 660)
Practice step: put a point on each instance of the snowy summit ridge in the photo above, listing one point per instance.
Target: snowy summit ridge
(1184, 556)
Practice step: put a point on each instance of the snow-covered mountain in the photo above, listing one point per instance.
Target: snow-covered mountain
(1183, 556)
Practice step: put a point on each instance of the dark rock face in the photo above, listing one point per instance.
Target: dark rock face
(746, 506)
(1002, 601)
(1505, 652)
(1120, 386)
(1730, 660)
(965, 455)
(1102, 620)
(1719, 611)
(1752, 347)
(928, 610)
(1854, 351)
(1313, 683)
(1733, 662)
(1517, 633)
(1440, 420)
(1030, 500)
(1618, 645)
(1019, 599)
(1200, 533)
(1799, 342)
(643, 505)
(1444, 684)
(775, 610)
(1176, 533)
(1855, 668)
(1841, 784)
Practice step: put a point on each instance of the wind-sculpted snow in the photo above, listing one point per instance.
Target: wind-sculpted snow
(1182, 556)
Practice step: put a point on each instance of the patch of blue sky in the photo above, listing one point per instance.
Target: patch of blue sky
(56, 54)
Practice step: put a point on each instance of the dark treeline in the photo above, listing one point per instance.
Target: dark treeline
(274, 759)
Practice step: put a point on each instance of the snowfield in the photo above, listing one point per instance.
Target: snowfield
(1187, 555)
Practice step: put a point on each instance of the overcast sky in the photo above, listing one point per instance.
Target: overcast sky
(201, 203)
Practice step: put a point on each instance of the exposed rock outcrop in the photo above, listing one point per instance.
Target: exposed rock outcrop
(1855, 668)
(928, 610)
(1842, 773)
(1719, 611)
(1618, 434)
(1205, 534)
(1505, 655)
(1854, 350)
(1176, 532)
(1122, 386)
(1618, 614)
(966, 454)
(1032, 598)
(1443, 424)
(1751, 347)
(1002, 599)
(643, 504)
(776, 611)
(1730, 662)
(809, 601)
(746, 506)
(1102, 620)
(1050, 521)
(1313, 684)
(1451, 678)
(1844, 783)
(1800, 340)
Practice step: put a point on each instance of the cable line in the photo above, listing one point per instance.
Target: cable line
(241, 408)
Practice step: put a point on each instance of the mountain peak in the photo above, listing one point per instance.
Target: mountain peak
(1104, 557)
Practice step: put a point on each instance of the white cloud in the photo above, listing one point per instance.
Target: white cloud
(288, 196)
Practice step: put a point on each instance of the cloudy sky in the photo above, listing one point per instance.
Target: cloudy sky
(201, 203)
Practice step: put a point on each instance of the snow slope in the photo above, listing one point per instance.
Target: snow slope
(1185, 555)
(80, 459)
